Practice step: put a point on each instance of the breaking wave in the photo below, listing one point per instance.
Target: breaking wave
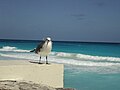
(62, 57)
(14, 49)
(85, 57)
(35, 57)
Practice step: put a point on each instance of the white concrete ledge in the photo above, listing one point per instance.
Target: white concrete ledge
(51, 75)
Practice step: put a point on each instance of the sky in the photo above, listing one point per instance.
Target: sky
(62, 20)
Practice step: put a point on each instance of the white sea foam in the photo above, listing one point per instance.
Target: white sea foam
(85, 57)
(14, 49)
(32, 56)
(62, 57)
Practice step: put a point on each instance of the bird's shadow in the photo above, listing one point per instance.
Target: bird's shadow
(38, 62)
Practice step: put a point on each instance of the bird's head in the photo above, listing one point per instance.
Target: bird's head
(48, 39)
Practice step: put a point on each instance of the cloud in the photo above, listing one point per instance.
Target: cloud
(100, 4)
(79, 16)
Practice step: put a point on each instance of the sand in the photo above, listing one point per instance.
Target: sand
(51, 74)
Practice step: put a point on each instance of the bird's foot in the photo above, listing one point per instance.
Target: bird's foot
(40, 63)
(47, 63)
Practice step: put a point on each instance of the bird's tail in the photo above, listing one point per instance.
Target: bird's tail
(33, 50)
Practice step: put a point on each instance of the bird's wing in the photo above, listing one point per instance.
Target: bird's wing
(39, 47)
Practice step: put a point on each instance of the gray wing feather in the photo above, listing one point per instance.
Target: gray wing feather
(39, 47)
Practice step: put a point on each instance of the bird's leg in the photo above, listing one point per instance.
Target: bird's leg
(46, 60)
(39, 60)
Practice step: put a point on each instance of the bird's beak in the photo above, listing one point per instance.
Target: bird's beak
(47, 42)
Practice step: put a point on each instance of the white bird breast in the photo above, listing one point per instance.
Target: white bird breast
(46, 49)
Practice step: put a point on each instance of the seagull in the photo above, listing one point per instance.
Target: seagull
(43, 49)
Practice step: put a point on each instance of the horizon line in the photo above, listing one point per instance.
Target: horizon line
(106, 42)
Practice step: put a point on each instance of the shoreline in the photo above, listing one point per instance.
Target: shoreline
(51, 74)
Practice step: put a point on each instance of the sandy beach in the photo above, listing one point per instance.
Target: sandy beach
(51, 74)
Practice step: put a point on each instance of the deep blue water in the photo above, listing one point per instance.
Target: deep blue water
(88, 66)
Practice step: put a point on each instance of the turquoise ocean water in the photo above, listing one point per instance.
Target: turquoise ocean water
(88, 66)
